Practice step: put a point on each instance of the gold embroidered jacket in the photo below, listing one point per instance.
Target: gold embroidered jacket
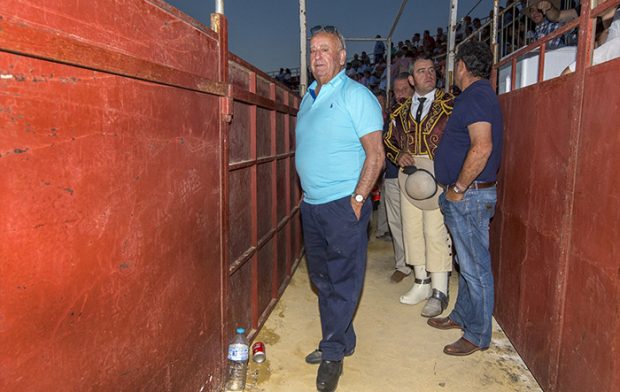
(405, 135)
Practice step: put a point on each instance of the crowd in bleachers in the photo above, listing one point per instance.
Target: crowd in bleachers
(520, 23)
(286, 76)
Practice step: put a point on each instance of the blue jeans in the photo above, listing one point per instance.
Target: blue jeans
(468, 223)
(336, 245)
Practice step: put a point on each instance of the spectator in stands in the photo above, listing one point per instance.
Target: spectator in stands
(349, 71)
(400, 63)
(440, 37)
(462, 27)
(280, 76)
(364, 58)
(552, 11)
(415, 40)
(286, 79)
(365, 80)
(610, 49)
(379, 50)
(483, 33)
(469, 31)
(476, 24)
(356, 63)
(440, 66)
(514, 24)
(383, 79)
(544, 27)
(374, 79)
(428, 40)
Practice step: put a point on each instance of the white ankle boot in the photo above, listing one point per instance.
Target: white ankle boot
(420, 291)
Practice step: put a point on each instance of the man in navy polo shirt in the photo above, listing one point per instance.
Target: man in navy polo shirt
(339, 156)
(466, 163)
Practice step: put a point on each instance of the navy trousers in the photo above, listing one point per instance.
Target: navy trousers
(336, 244)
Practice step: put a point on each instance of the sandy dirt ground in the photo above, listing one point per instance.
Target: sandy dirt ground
(396, 350)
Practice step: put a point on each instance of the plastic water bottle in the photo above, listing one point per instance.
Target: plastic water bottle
(238, 354)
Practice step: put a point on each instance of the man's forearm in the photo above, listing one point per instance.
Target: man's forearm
(475, 161)
(480, 134)
(373, 165)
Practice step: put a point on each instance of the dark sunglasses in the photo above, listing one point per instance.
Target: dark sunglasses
(320, 28)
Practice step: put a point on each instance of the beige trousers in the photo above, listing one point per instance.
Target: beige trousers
(426, 238)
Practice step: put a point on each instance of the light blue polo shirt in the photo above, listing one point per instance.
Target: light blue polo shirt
(329, 155)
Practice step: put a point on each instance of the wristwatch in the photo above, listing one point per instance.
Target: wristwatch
(456, 189)
(358, 198)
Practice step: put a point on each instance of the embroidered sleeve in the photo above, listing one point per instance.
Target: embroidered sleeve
(391, 138)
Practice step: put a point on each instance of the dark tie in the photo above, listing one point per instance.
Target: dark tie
(418, 113)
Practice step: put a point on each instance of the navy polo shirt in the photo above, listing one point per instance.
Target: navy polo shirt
(478, 103)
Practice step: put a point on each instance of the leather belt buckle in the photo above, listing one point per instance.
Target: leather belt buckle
(482, 185)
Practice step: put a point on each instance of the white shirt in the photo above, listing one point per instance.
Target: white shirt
(430, 97)
(608, 51)
(614, 28)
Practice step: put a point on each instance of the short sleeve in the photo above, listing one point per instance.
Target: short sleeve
(364, 109)
(479, 109)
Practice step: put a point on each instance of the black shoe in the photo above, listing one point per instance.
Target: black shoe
(316, 356)
(328, 375)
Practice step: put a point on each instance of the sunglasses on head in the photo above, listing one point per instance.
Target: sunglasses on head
(320, 28)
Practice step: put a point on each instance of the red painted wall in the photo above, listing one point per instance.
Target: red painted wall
(115, 209)
(555, 233)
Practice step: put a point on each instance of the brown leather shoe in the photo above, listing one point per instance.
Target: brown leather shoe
(462, 347)
(443, 323)
(398, 276)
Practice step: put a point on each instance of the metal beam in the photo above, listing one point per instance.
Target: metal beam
(451, 42)
(388, 73)
(303, 67)
(400, 12)
(366, 39)
(494, 46)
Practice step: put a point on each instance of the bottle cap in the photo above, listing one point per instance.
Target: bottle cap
(240, 330)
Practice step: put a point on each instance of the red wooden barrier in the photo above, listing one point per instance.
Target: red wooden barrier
(555, 235)
(264, 228)
(118, 232)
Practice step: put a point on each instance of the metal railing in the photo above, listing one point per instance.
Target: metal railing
(515, 34)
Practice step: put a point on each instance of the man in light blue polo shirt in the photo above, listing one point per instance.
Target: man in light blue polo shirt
(339, 156)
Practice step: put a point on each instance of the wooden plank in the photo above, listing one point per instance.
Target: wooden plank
(28, 39)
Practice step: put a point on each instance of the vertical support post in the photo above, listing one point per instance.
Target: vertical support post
(273, 153)
(254, 311)
(303, 71)
(451, 44)
(494, 45)
(541, 63)
(388, 73)
(219, 24)
(219, 7)
(513, 74)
